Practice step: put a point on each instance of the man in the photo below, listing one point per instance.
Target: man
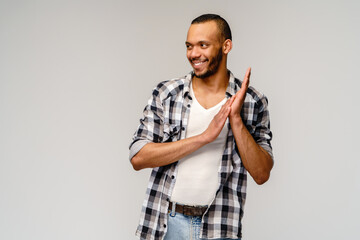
(201, 134)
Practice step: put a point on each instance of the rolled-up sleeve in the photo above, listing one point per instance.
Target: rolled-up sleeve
(262, 133)
(151, 125)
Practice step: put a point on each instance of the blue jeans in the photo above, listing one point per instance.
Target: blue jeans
(182, 227)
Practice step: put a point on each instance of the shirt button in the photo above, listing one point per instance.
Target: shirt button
(167, 199)
(164, 225)
(172, 177)
(188, 105)
(183, 128)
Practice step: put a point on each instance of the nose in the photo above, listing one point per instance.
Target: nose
(194, 53)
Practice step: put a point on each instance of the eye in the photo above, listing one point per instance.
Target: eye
(188, 46)
(204, 45)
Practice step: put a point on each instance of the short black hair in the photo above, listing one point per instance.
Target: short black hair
(222, 24)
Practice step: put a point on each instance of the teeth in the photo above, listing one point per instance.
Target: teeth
(197, 64)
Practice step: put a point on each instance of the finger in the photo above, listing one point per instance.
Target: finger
(223, 116)
(224, 106)
(228, 102)
(232, 99)
(247, 74)
(244, 84)
(247, 77)
(225, 109)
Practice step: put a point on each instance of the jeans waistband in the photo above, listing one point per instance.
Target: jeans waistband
(187, 209)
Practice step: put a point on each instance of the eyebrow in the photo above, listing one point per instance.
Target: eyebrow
(199, 42)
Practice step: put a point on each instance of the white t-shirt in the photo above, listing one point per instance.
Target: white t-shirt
(197, 178)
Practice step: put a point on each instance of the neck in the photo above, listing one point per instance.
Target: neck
(215, 83)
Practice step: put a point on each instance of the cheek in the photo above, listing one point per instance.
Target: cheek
(210, 53)
(188, 55)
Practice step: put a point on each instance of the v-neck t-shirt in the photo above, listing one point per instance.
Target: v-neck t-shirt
(197, 178)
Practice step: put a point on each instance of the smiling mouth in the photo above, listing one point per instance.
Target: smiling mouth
(198, 63)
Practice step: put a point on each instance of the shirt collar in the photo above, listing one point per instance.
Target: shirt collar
(230, 91)
(232, 86)
(188, 79)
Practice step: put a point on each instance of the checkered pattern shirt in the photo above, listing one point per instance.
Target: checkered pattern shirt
(165, 120)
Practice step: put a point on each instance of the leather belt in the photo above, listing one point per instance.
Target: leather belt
(188, 210)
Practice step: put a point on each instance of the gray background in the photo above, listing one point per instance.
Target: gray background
(75, 76)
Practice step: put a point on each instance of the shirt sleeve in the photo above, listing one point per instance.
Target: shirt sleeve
(151, 125)
(262, 133)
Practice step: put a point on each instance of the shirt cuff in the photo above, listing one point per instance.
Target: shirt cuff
(267, 149)
(136, 147)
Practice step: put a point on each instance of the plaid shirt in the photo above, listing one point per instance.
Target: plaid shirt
(165, 120)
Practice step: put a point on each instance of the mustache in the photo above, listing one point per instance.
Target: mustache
(199, 59)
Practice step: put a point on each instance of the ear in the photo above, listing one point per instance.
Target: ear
(227, 46)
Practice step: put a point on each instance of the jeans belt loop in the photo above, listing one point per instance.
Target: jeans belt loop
(173, 212)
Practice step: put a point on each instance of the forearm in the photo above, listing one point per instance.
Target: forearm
(254, 158)
(161, 154)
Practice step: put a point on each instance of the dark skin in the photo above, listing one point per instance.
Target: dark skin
(204, 42)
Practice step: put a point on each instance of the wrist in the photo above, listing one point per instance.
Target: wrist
(236, 119)
(236, 122)
(204, 138)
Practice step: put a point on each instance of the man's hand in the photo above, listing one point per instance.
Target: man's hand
(239, 97)
(230, 109)
(217, 124)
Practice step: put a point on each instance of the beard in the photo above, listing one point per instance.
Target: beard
(213, 66)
